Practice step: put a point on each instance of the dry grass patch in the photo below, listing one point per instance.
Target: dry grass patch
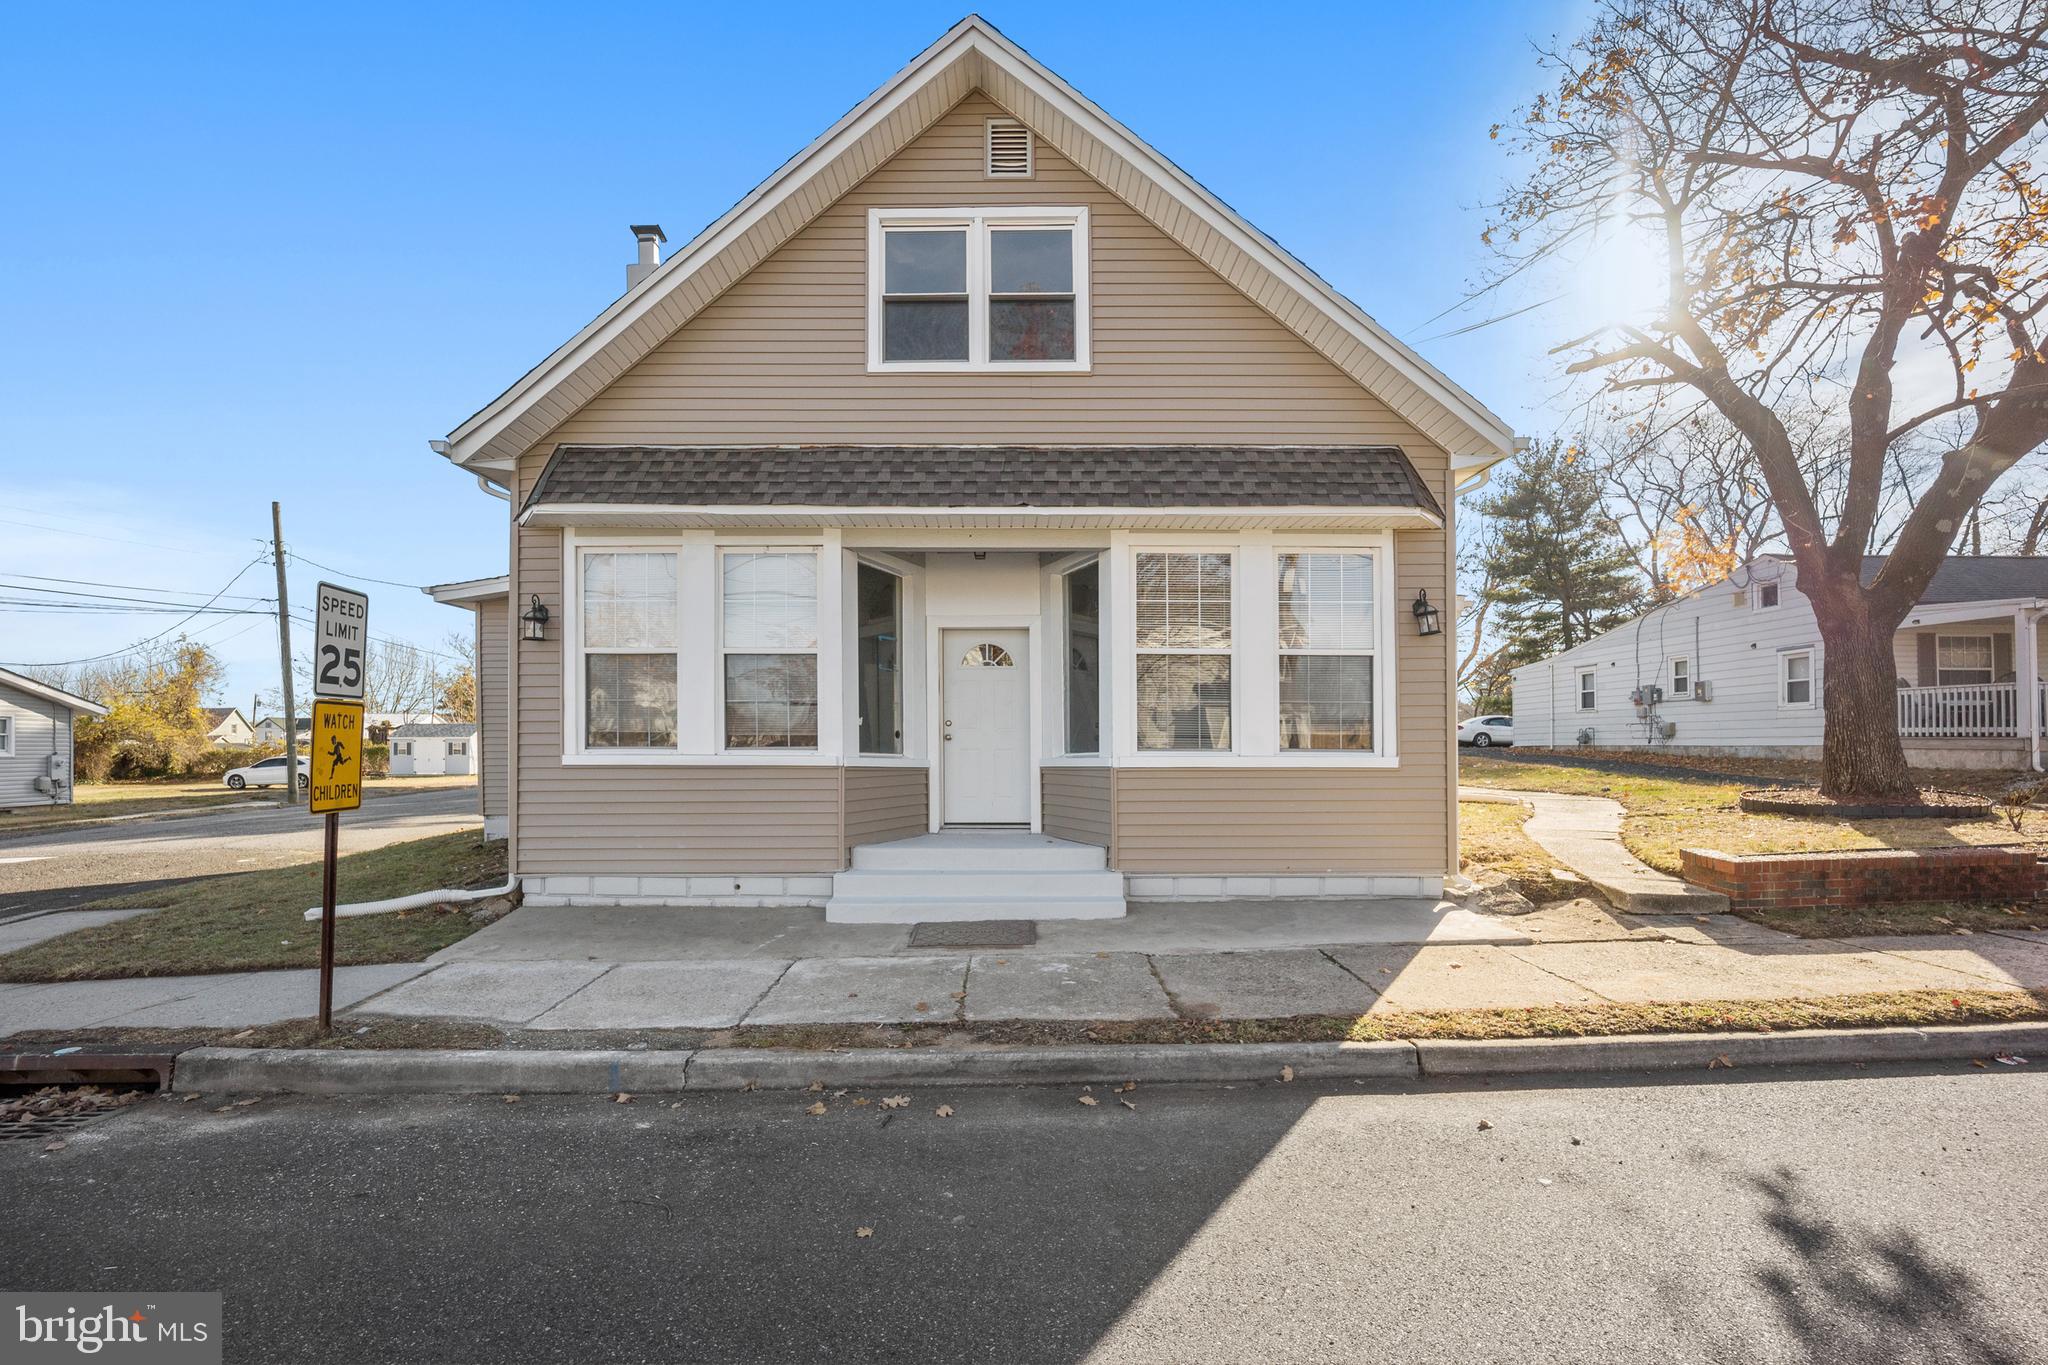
(1490, 839)
(248, 921)
(1906, 917)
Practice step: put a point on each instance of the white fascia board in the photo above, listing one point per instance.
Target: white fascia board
(469, 590)
(21, 683)
(972, 36)
(1951, 613)
(557, 513)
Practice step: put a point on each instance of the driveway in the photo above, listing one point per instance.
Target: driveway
(65, 868)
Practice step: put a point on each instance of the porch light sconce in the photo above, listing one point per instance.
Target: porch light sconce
(536, 620)
(1427, 619)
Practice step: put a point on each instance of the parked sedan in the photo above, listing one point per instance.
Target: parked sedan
(1481, 731)
(268, 772)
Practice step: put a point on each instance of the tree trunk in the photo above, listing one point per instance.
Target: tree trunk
(1861, 757)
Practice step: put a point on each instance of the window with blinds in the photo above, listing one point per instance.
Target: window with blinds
(770, 648)
(1326, 651)
(628, 637)
(1183, 624)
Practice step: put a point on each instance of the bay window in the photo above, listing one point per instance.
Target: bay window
(1183, 624)
(769, 648)
(628, 642)
(1326, 650)
(978, 289)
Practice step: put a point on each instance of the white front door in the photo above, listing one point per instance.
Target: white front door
(985, 728)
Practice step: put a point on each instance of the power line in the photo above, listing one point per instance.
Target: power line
(116, 540)
(158, 601)
(130, 587)
(360, 578)
(115, 654)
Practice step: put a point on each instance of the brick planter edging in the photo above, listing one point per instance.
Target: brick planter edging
(1873, 876)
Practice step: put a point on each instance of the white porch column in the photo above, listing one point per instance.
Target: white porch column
(2027, 672)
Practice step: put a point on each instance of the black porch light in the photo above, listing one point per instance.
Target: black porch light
(536, 620)
(1427, 620)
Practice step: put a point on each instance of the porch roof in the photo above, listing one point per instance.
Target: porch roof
(1063, 481)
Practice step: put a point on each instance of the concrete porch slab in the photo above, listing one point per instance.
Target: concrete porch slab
(501, 992)
(666, 995)
(1048, 986)
(864, 990)
(1269, 985)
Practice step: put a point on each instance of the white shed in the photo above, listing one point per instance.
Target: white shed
(433, 749)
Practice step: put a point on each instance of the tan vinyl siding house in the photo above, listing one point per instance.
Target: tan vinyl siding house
(726, 484)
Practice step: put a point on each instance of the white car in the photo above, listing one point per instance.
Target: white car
(1481, 731)
(269, 772)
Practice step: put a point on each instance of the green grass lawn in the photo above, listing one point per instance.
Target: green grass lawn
(244, 921)
(99, 800)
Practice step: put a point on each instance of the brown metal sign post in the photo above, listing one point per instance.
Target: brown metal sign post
(336, 764)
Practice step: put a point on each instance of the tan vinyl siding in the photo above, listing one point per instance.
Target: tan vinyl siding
(493, 643)
(1178, 354)
(1077, 804)
(886, 803)
(1275, 820)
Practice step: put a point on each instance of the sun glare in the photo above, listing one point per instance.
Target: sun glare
(1620, 277)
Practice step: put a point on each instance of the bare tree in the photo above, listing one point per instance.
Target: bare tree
(1843, 197)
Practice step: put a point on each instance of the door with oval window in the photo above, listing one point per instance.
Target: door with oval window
(985, 722)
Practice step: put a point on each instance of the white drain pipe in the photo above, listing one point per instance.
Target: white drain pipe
(419, 901)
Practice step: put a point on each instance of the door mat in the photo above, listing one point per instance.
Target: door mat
(992, 933)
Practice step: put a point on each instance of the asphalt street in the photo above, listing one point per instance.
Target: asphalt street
(1860, 1215)
(58, 869)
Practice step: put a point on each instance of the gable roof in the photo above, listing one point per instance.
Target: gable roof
(984, 476)
(973, 55)
(216, 716)
(435, 730)
(21, 682)
(1977, 578)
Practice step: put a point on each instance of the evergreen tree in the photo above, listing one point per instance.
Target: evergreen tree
(1561, 572)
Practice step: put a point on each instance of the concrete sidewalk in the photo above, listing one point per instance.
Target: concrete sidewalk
(1584, 833)
(609, 970)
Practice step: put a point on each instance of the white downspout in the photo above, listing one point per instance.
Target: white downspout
(2027, 669)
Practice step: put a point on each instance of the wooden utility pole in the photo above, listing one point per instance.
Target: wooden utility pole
(284, 657)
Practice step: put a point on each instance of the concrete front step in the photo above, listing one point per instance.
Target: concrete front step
(980, 850)
(866, 897)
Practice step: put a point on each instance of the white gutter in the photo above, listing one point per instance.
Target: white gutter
(417, 902)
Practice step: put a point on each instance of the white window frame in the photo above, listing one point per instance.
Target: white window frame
(1989, 640)
(1377, 651)
(401, 748)
(575, 651)
(6, 736)
(905, 744)
(1681, 667)
(1756, 596)
(461, 746)
(977, 222)
(1105, 641)
(1589, 685)
(816, 651)
(1255, 661)
(1812, 679)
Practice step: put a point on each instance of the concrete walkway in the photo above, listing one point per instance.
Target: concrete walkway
(807, 972)
(1584, 833)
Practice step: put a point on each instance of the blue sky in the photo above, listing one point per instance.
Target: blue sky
(268, 252)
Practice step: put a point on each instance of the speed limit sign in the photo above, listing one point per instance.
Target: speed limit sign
(341, 642)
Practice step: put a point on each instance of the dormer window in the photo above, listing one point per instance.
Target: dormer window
(978, 289)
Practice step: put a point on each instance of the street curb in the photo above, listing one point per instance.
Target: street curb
(421, 1072)
(1696, 1051)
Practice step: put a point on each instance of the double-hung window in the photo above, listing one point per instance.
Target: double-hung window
(1795, 678)
(1961, 660)
(1681, 677)
(1326, 650)
(6, 736)
(1183, 625)
(978, 289)
(1589, 690)
(628, 638)
(769, 646)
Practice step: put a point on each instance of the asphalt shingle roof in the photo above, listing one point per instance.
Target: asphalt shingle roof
(984, 476)
(1978, 578)
(435, 730)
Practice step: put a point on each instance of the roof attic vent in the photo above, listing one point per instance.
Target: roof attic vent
(1009, 150)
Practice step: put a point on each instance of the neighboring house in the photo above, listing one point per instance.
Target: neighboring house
(1737, 668)
(979, 472)
(35, 741)
(433, 749)
(270, 730)
(486, 598)
(228, 728)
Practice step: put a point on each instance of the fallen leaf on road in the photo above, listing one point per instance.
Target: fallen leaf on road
(1128, 1105)
(817, 1108)
(511, 1099)
(863, 1232)
(750, 1085)
(1485, 1124)
(1721, 1062)
(1104, 956)
(55, 1145)
(1979, 1061)
(815, 1086)
(863, 1100)
(944, 1111)
(623, 1098)
(243, 1104)
(959, 995)
(1286, 1073)
(896, 1102)
(1089, 1100)
(1126, 1087)
(1541, 1181)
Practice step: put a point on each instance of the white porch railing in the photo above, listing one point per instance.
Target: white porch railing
(1977, 710)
